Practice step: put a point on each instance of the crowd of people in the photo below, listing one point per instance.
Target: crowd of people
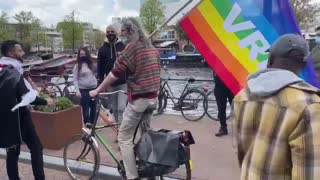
(274, 117)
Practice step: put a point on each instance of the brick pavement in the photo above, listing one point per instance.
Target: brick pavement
(214, 158)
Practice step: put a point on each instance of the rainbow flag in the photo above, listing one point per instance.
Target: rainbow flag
(233, 36)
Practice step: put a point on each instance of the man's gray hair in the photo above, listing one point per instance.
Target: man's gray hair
(116, 27)
(135, 26)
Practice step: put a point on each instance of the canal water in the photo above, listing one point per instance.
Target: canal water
(179, 78)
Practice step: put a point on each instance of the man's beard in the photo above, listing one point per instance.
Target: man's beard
(128, 39)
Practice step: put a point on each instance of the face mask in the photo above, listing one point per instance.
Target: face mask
(317, 39)
(111, 37)
(84, 58)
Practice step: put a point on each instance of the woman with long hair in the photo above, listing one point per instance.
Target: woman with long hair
(84, 80)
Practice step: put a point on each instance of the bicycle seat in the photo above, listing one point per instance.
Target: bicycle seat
(191, 80)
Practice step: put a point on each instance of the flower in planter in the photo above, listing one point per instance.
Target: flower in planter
(61, 103)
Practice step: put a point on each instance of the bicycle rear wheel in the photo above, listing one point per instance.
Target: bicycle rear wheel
(52, 90)
(70, 92)
(162, 101)
(184, 171)
(81, 158)
(193, 105)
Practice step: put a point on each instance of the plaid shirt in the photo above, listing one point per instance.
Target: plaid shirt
(278, 137)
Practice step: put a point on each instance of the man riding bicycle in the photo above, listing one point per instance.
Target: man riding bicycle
(141, 61)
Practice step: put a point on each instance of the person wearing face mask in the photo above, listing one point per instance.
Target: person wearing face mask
(315, 53)
(141, 62)
(84, 80)
(107, 56)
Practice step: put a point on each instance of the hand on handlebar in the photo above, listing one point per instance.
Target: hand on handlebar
(78, 94)
(93, 93)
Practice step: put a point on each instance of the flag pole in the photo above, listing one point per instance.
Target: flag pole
(170, 18)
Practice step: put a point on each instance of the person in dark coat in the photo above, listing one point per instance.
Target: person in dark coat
(16, 123)
(223, 95)
(107, 56)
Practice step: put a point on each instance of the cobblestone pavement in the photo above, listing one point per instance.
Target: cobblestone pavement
(25, 171)
(213, 158)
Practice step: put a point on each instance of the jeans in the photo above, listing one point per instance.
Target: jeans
(118, 101)
(30, 137)
(138, 110)
(88, 106)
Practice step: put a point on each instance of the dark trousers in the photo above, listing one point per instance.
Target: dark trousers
(88, 106)
(223, 95)
(30, 137)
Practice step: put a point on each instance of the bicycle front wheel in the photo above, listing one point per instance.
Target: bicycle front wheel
(193, 105)
(81, 158)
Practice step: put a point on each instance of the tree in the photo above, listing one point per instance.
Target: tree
(6, 31)
(37, 33)
(72, 31)
(182, 35)
(151, 14)
(306, 12)
(28, 28)
(4, 17)
(98, 38)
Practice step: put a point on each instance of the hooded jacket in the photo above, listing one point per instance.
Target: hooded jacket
(277, 128)
(107, 55)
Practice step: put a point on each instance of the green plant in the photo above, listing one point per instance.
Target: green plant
(61, 103)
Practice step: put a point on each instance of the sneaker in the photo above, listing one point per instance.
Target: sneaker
(222, 132)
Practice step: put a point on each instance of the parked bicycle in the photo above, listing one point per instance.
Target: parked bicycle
(69, 89)
(82, 153)
(44, 86)
(192, 102)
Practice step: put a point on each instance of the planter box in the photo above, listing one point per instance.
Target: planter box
(56, 128)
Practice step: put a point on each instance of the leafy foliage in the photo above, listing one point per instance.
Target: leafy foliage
(61, 103)
(72, 31)
(306, 11)
(152, 14)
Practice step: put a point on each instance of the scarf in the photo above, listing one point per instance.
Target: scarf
(28, 98)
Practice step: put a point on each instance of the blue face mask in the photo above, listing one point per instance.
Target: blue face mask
(317, 39)
(84, 58)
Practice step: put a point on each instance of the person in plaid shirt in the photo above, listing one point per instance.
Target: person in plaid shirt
(276, 118)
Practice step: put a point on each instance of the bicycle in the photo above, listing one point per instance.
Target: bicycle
(44, 86)
(89, 154)
(192, 102)
(69, 89)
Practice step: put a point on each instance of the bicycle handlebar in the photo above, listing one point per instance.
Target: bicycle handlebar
(111, 93)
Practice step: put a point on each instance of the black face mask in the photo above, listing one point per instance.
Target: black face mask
(111, 37)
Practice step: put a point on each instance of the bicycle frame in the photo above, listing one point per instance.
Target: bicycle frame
(166, 87)
(94, 131)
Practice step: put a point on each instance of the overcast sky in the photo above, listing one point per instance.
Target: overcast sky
(98, 12)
